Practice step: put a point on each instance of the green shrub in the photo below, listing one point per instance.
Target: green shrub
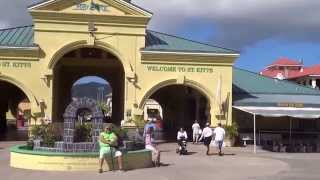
(139, 121)
(231, 130)
(120, 132)
(49, 133)
(83, 132)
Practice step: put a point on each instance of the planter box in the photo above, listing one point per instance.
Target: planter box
(229, 142)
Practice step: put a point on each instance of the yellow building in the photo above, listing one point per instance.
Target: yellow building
(109, 39)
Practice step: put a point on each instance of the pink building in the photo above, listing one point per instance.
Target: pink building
(294, 70)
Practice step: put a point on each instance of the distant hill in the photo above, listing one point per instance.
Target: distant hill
(90, 90)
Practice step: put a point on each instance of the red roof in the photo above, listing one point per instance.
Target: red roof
(285, 62)
(290, 73)
(308, 71)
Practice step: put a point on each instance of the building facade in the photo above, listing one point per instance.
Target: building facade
(295, 71)
(109, 39)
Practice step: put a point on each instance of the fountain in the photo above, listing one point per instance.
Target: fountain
(68, 155)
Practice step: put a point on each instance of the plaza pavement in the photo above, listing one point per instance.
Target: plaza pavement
(237, 164)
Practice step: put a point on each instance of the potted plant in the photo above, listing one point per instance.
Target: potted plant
(231, 134)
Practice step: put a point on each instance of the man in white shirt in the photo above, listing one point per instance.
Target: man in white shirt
(207, 135)
(219, 137)
(195, 131)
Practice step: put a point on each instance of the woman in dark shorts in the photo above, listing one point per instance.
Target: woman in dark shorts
(207, 137)
(207, 140)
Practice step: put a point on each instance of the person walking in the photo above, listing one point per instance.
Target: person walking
(195, 132)
(219, 137)
(207, 136)
(108, 142)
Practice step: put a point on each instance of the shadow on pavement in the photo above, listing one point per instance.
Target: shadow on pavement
(191, 153)
(165, 151)
(224, 154)
(164, 164)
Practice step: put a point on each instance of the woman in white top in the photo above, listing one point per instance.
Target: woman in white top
(207, 135)
(182, 134)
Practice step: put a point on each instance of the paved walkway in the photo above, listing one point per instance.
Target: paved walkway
(237, 164)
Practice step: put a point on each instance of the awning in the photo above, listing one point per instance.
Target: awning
(304, 113)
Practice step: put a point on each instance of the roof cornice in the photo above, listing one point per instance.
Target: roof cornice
(235, 55)
(121, 2)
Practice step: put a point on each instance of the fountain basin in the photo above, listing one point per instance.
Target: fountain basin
(24, 158)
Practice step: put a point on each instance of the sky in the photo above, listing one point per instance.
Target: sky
(262, 30)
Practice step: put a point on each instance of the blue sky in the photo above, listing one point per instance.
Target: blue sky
(261, 30)
(89, 79)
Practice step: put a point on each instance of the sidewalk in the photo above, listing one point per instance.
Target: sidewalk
(237, 164)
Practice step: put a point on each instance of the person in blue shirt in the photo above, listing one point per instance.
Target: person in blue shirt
(150, 124)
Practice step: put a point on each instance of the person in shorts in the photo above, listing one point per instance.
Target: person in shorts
(219, 137)
(207, 136)
(150, 145)
(108, 142)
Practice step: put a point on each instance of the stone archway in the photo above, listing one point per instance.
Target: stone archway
(70, 117)
(182, 104)
(14, 117)
(84, 62)
(188, 83)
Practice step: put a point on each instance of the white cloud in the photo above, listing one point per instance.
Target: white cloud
(237, 23)
(3, 24)
(241, 23)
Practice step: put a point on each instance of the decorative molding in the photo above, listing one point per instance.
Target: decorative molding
(121, 4)
(19, 53)
(52, 15)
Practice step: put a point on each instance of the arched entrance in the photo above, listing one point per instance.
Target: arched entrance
(15, 112)
(181, 106)
(84, 62)
(95, 88)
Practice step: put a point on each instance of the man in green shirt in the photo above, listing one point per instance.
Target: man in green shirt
(108, 141)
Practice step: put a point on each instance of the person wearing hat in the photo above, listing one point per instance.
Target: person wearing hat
(108, 142)
(207, 136)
